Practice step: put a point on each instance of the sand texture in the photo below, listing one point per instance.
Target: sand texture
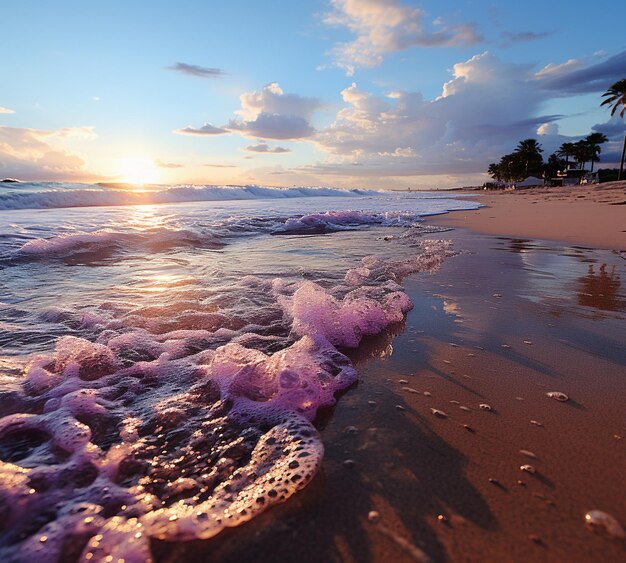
(592, 216)
(415, 469)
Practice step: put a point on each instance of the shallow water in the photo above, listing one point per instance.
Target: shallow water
(161, 364)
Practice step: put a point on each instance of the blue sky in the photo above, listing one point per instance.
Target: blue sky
(340, 92)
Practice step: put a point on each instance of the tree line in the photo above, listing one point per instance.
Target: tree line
(526, 160)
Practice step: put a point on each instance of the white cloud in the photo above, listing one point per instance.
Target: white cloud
(272, 114)
(87, 132)
(205, 130)
(614, 128)
(577, 76)
(387, 26)
(267, 114)
(549, 128)
(265, 148)
(482, 112)
(6, 110)
(33, 154)
(163, 164)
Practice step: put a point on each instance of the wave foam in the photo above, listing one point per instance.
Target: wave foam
(50, 195)
(141, 433)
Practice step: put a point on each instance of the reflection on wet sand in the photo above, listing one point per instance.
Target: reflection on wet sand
(601, 289)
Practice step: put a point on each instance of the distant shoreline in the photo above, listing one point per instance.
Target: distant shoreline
(592, 215)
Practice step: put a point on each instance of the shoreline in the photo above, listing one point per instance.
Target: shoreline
(593, 216)
(503, 323)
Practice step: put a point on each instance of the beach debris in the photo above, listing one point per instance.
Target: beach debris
(484, 407)
(427, 393)
(411, 390)
(349, 463)
(400, 408)
(388, 237)
(468, 428)
(442, 518)
(519, 398)
(464, 408)
(454, 345)
(402, 381)
(371, 403)
(504, 345)
(558, 396)
(617, 436)
(528, 453)
(536, 423)
(521, 483)
(455, 402)
(471, 355)
(601, 521)
(497, 295)
(373, 516)
(351, 429)
(439, 413)
(528, 342)
(528, 469)
(535, 538)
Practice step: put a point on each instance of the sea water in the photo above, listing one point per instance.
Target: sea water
(164, 352)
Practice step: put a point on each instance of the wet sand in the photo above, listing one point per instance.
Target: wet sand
(503, 323)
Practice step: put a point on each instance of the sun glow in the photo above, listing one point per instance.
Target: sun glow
(138, 171)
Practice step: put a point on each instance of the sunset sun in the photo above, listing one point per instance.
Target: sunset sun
(138, 171)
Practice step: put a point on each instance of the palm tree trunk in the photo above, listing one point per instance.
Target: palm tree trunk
(621, 164)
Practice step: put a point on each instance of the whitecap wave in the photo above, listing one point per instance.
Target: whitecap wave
(48, 195)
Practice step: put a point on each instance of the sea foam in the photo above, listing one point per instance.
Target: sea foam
(176, 421)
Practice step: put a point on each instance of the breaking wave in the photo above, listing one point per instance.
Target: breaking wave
(46, 195)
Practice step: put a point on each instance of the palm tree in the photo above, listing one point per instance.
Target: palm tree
(495, 172)
(566, 150)
(616, 99)
(581, 153)
(594, 140)
(529, 150)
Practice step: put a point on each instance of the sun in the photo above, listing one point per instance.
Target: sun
(138, 171)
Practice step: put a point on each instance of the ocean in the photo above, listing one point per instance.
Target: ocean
(164, 352)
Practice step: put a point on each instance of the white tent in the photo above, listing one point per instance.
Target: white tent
(528, 182)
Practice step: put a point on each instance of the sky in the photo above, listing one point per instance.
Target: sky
(384, 94)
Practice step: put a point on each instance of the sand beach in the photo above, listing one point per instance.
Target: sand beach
(449, 447)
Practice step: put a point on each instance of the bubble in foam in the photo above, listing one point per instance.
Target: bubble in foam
(166, 429)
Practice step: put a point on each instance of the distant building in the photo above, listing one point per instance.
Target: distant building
(572, 177)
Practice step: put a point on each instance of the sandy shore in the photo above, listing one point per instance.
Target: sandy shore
(592, 216)
(508, 320)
